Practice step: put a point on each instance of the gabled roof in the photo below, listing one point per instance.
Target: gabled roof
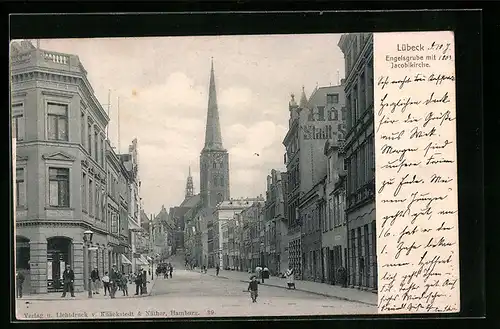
(191, 201)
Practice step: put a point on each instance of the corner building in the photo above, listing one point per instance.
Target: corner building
(60, 130)
(360, 160)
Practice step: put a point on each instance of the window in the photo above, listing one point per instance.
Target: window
(96, 146)
(20, 188)
(332, 98)
(84, 191)
(114, 223)
(102, 151)
(18, 130)
(222, 181)
(330, 219)
(82, 128)
(215, 165)
(57, 121)
(97, 202)
(91, 197)
(89, 137)
(59, 187)
(215, 179)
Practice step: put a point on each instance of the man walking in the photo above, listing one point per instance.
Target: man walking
(217, 269)
(68, 280)
(170, 269)
(114, 281)
(94, 276)
(19, 284)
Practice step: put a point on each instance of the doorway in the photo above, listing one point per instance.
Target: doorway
(58, 256)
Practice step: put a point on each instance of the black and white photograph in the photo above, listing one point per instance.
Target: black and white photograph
(235, 175)
(193, 176)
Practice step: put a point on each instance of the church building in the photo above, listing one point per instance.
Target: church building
(214, 188)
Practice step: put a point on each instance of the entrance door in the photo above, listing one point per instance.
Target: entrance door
(58, 256)
(331, 266)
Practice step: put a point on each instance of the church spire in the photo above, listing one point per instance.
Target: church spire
(189, 185)
(213, 136)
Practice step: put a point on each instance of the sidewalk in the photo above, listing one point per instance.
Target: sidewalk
(324, 289)
(84, 294)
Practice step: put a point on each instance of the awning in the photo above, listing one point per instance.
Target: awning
(125, 260)
(142, 260)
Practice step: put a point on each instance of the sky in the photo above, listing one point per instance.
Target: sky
(161, 86)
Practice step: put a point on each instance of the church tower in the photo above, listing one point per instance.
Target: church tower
(214, 159)
(189, 186)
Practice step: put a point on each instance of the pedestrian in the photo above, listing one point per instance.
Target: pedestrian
(217, 268)
(68, 280)
(144, 280)
(94, 276)
(114, 281)
(138, 282)
(19, 284)
(124, 281)
(170, 269)
(265, 274)
(105, 283)
(258, 272)
(253, 287)
(290, 278)
(342, 274)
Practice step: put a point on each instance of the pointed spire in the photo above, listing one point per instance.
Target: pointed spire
(213, 136)
(303, 99)
(189, 185)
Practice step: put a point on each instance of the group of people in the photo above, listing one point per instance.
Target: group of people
(118, 281)
(111, 282)
(165, 269)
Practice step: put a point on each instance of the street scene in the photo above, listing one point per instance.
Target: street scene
(191, 293)
(198, 176)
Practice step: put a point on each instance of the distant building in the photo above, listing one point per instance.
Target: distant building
(130, 162)
(276, 240)
(360, 159)
(224, 216)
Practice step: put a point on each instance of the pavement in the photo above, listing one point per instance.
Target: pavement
(322, 289)
(84, 294)
(193, 294)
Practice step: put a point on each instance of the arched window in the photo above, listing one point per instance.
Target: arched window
(215, 164)
(215, 180)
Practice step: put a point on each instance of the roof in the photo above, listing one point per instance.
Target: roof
(191, 201)
(213, 136)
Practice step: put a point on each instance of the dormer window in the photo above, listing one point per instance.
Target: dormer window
(332, 98)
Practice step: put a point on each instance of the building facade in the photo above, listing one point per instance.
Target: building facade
(276, 240)
(60, 130)
(359, 154)
(130, 162)
(334, 239)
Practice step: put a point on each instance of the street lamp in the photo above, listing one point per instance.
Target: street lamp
(87, 238)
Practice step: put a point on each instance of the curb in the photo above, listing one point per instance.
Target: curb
(316, 293)
(54, 299)
(303, 290)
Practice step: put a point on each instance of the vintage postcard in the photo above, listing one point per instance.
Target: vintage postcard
(223, 176)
